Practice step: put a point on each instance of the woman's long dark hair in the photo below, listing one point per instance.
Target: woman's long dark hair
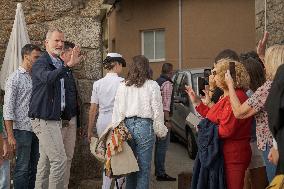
(255, 71)
(139, 71)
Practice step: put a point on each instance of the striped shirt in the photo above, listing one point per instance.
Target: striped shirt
(166, 91)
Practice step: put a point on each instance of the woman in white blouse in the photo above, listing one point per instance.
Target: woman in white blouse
(138, 102)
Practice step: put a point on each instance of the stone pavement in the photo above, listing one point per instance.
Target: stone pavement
(177, 161)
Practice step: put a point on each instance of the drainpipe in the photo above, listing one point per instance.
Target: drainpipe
(265, 15)
(180, 34)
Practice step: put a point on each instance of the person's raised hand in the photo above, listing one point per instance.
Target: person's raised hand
(192, 95)
(262, 45)
(212, 83)
(229, 80)
(76, 57)
(206, 99)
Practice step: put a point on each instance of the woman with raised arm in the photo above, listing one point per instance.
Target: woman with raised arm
(255, 104)
(234, 134)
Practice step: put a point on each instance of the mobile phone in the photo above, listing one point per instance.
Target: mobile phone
(232, 70)
(207, 73)
(200, 86)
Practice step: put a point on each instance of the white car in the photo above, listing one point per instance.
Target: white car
(182, 128)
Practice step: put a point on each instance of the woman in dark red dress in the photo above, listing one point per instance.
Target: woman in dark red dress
(234, 133)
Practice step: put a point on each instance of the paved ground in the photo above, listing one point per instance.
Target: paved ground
(177, 161)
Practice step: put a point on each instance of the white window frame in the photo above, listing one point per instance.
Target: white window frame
(142, 45)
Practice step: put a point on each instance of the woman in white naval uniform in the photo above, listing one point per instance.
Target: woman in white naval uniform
(102, 100)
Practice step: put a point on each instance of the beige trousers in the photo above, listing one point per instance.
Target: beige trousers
(52, 161)
(69, 139)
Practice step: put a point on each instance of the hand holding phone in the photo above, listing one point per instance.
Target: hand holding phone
(200, 86)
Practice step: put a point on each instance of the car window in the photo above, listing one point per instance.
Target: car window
(183, 83)
(174, 77)
(179, 78)
(182, 92)
(177, 83)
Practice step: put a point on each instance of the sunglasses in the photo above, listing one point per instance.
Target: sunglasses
(214, 72)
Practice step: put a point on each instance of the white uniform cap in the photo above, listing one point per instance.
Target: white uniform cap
(114, 55)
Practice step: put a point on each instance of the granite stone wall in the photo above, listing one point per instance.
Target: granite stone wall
(275, 20)
(81, 22)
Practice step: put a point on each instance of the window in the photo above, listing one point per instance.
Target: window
(177, 82)
(179, 88)
(153, 45)
(182, 92)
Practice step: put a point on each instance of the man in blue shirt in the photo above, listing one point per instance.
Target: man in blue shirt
(47, 105)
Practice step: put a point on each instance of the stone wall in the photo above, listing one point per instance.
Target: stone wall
(81, 22)
(275, 20)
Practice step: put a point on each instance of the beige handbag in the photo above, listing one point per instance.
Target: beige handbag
(124, 162)
(120, 159)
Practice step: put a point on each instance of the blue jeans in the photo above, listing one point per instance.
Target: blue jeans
(270, 168)
(5, 175)
(27, 155)
(142, 144)
(160, 154)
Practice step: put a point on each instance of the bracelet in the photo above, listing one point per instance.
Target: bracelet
(207, 104)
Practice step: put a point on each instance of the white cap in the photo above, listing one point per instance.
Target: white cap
(114, 55)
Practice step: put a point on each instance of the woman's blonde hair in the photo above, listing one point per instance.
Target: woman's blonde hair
(242, 76)
(274, 57)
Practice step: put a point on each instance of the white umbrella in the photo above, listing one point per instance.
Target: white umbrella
(18, 38)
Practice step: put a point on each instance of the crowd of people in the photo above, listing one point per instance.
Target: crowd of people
(236, 103)
(242, 103)
(40, 116)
